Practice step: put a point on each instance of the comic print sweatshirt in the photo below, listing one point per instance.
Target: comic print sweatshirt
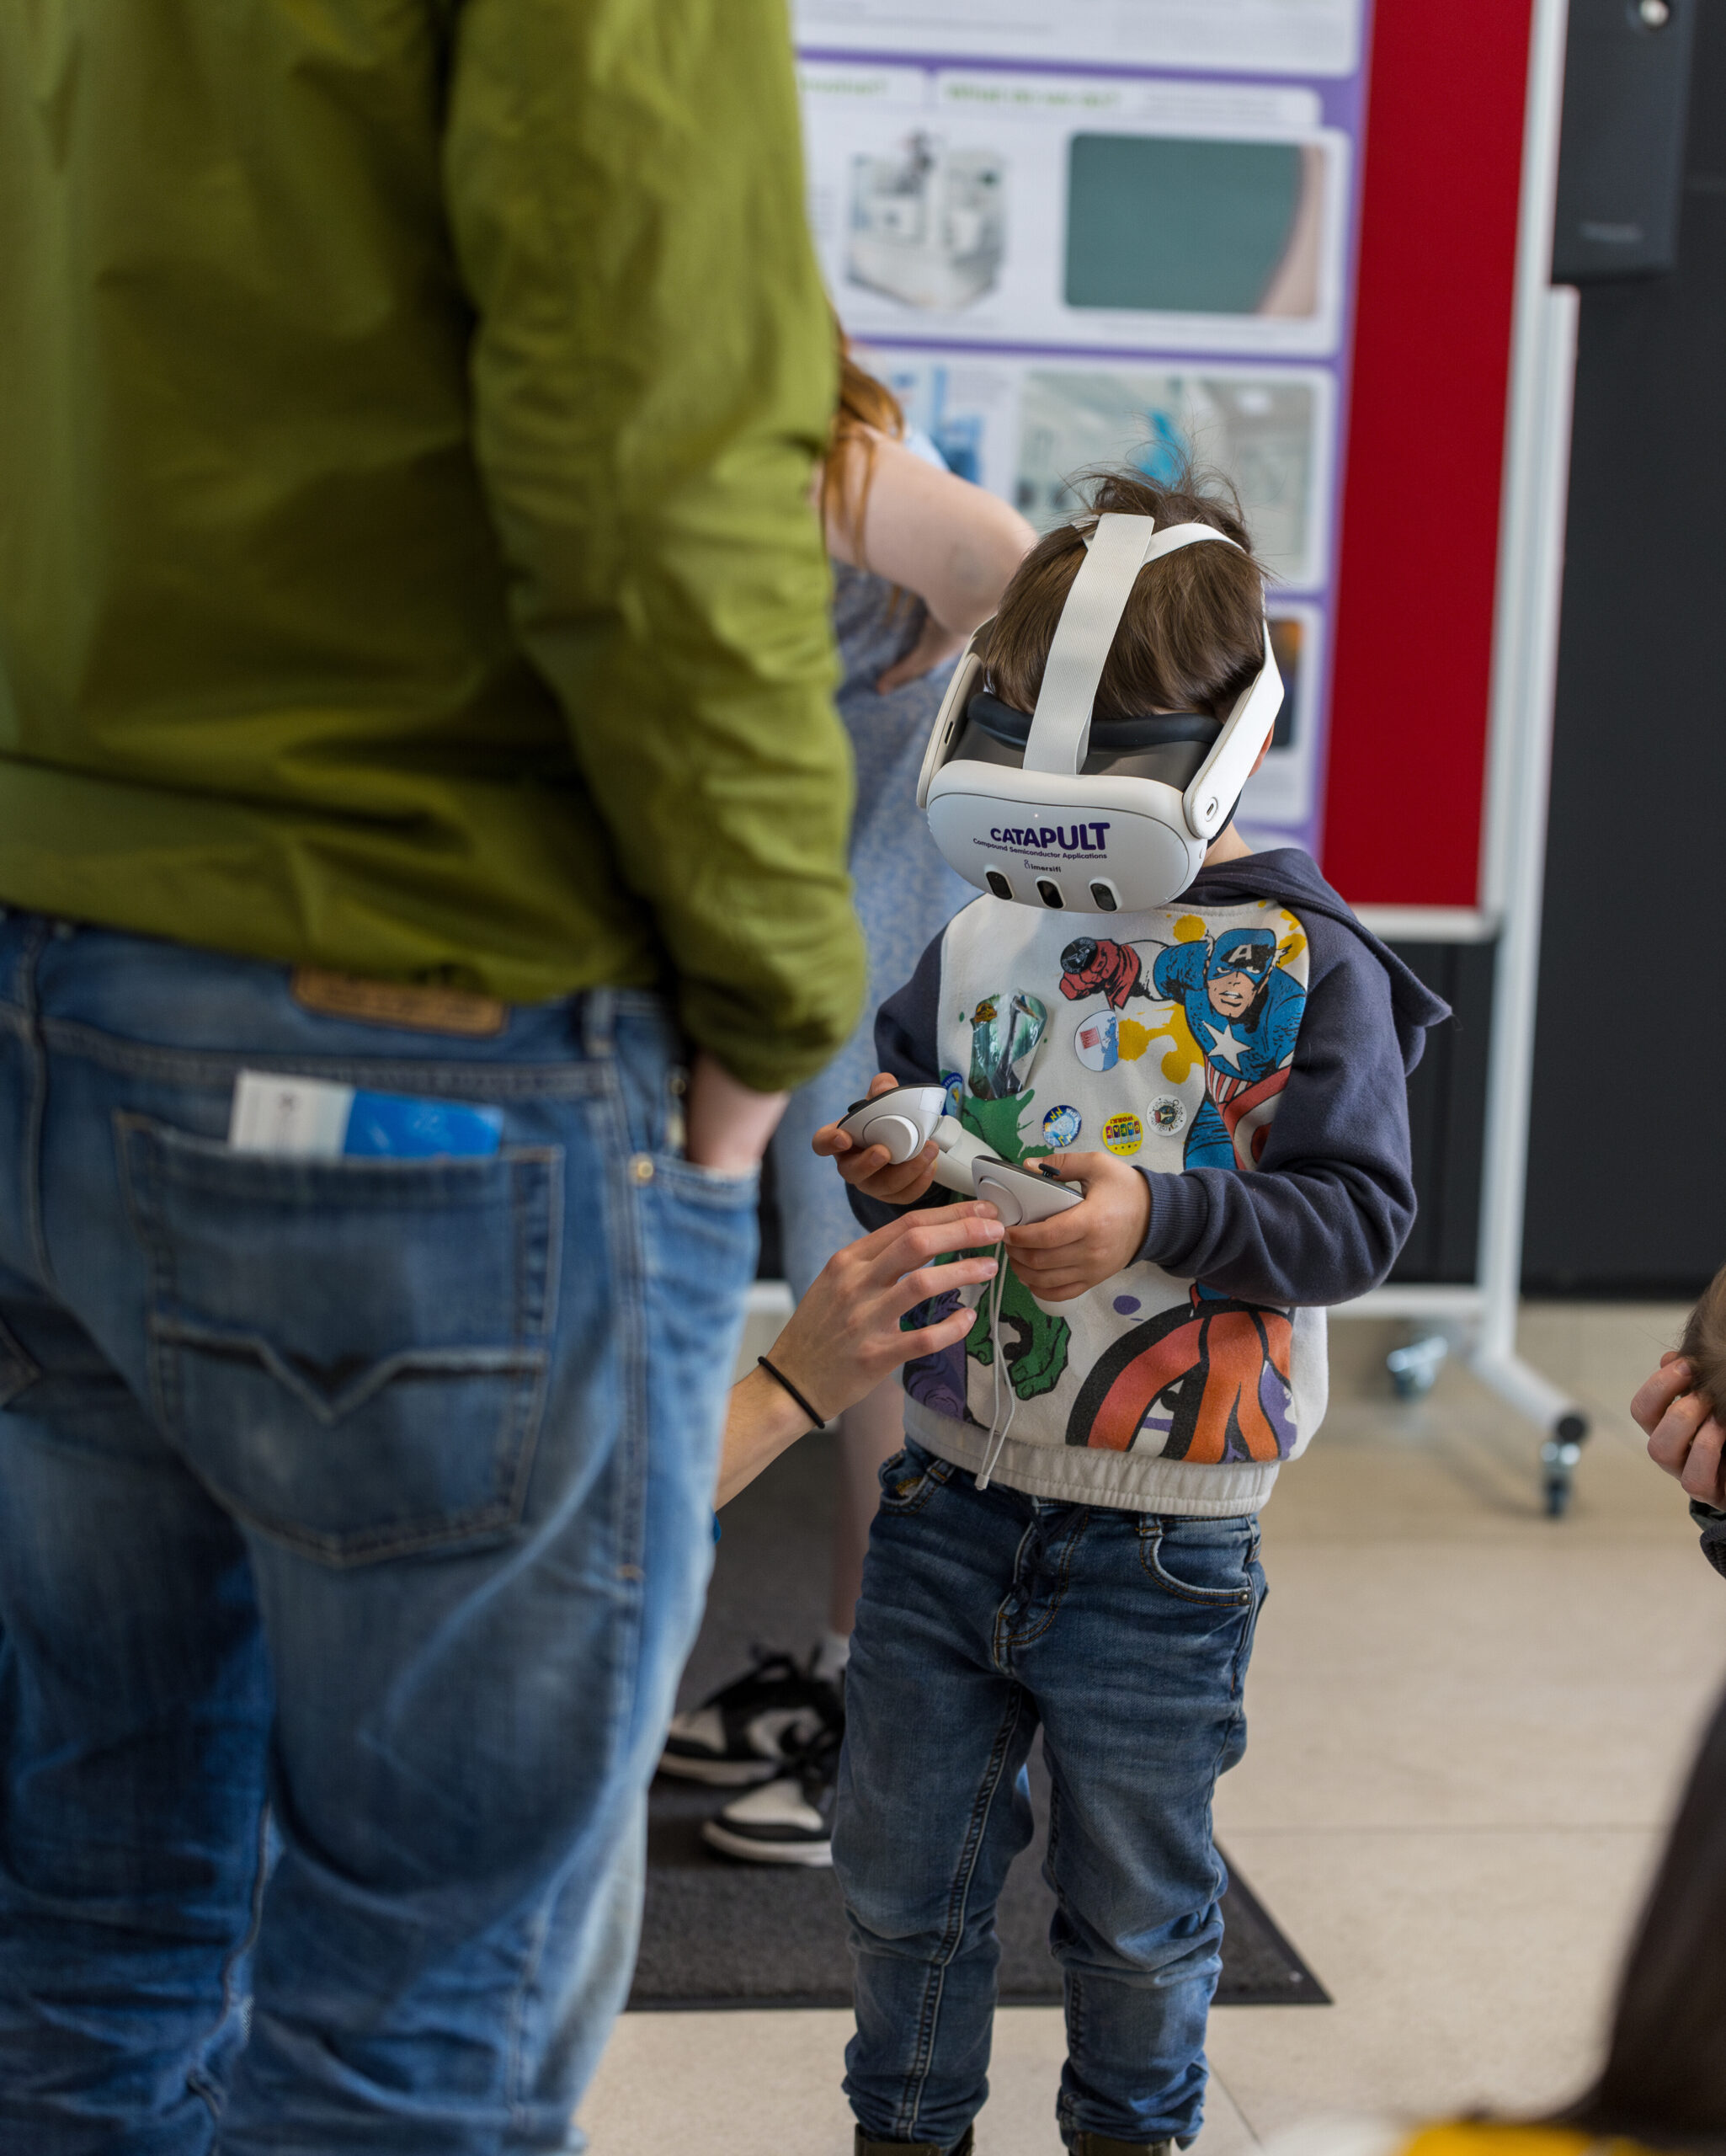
(1248, 1049)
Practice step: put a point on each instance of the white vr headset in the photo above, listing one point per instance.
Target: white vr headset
(1030, 810)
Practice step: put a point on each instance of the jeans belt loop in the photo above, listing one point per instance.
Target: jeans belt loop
(598, 1021)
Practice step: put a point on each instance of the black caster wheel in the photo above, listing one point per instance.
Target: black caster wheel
(1414, 1367)
(1558, 1457)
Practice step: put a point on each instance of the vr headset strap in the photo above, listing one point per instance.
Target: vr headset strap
(1209, 800)
(1115, 551)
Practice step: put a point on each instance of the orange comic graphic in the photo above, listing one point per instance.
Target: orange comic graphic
(1209, 1379)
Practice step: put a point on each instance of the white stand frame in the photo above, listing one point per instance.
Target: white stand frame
(1482, 1318)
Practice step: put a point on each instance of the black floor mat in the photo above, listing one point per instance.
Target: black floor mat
(718, 1934)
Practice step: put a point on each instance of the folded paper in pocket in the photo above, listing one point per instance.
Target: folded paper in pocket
(314, 1120)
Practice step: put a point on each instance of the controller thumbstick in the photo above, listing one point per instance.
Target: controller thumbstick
(1003, 1197)
(897, 1133)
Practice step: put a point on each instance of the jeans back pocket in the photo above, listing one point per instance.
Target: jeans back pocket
(351, 1353)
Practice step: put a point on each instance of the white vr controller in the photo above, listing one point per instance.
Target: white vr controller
(911, 1117)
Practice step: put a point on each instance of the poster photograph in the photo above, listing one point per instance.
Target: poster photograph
(1076, 211)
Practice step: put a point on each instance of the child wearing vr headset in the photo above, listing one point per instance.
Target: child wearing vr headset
(1215, 1055)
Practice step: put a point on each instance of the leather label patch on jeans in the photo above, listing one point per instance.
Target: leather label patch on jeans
(414, 1010)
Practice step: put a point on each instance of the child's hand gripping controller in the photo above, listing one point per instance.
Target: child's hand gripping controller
(1021, 1195)
(904, 1121)
(907, 1118)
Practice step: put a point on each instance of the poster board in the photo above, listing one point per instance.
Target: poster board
(1412, 701)
(1074, 233)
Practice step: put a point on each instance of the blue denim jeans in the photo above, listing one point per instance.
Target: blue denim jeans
(370, 1497)
(1124, 1636)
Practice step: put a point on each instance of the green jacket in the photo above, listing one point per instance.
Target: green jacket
(406, 409)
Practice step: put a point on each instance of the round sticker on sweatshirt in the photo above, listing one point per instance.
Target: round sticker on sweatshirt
(1097, 1043)
(1061, 1126)
(1123, 1134)
(956, 1090)
(1167, 1115)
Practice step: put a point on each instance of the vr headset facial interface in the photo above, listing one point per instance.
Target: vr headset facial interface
(1046, 818)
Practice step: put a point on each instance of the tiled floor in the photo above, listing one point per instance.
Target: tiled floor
(1466, 1724)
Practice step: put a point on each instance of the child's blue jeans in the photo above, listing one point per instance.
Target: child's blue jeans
(1124, 1636)
(378, 1488)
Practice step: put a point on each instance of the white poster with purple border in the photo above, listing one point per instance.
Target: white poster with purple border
(1082, 233)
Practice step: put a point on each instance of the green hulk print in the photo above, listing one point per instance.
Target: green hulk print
(1036, 1354)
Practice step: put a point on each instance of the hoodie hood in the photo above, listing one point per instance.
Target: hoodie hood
(1291, 877)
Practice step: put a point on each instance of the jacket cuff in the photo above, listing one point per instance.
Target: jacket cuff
(1180, 1211)
(1712, 1523)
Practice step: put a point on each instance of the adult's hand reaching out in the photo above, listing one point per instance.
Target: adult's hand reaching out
(844, 1337)
(1683, 1436)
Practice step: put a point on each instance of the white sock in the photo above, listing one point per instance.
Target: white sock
(831, 1655)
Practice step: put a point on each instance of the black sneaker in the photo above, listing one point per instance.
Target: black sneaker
(747, 1731)
(790, 1821)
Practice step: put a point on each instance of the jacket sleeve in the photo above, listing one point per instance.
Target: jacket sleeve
(1713, 1523)
(653, 373)
(907, 1029)
(1330, 1204)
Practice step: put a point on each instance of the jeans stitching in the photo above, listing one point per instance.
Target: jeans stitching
(1001, 1632)
(139, 1197)
(935, 1477)
(517, 2017)
(717, 1193)
(1072, 1983)
(1150, 1546)
(517, 1360)
(536, 1308)
(1243, 1653)
(623, 1239)
(928, 2021)
(36, 940)
(209, 2094)
(1063, 1580)
(457, 1078)
(626, 1201)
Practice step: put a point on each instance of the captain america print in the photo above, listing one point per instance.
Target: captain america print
(1244, 1012)
(1243, 1009)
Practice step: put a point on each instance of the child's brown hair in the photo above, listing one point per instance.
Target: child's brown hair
(1192, 636)
(1703, 1346)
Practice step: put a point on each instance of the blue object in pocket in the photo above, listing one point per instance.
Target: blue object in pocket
(311, 1119)
(394, 1126)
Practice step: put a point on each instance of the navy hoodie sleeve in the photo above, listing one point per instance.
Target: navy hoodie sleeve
(1332, 1200)
(907, 1043)
(1712, 1523)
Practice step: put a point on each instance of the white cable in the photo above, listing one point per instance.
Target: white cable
(994, 1376)
(996, 1444)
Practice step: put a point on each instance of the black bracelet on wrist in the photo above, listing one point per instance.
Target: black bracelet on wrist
(779, 1378)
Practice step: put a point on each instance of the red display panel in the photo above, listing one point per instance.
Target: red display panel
(1425, 452)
